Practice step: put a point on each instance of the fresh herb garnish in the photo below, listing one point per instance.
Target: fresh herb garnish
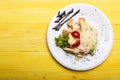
(62, 41)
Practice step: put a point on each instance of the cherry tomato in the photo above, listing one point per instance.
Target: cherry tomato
(75, 34)
(77, 43)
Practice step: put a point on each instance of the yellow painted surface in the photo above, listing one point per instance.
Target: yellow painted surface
(24, 54)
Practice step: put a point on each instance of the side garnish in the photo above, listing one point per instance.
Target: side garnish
(92, 50)
(62, 41)
(76, 35)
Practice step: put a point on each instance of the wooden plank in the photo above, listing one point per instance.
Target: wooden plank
(32, 37)
(32, 65)
(23, 46)
(20, 11)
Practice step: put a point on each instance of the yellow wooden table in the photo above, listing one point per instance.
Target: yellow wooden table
(24, 54)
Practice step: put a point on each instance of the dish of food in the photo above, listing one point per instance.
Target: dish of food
(80, 37)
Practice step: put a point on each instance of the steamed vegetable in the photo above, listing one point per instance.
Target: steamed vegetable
(62, 41)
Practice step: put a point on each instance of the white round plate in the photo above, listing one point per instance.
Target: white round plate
(95, 18)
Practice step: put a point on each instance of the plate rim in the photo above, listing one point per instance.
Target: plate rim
(110, 48)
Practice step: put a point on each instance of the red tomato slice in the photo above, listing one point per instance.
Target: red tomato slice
(75, 34)
(77, 43)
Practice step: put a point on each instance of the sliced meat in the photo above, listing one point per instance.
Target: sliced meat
(69, 50)
(85, 51)
(74, 51)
